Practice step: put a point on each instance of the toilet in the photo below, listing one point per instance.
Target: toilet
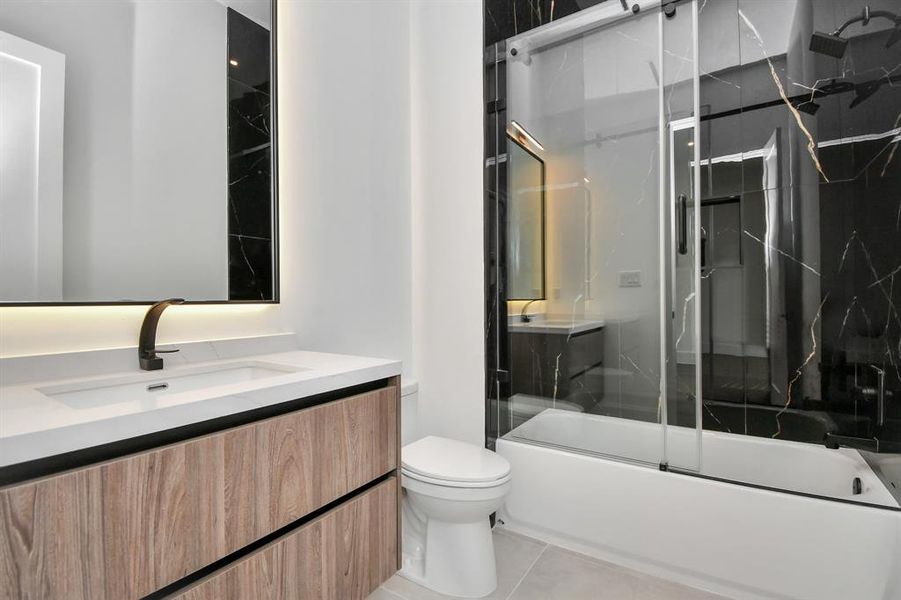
(450, 489)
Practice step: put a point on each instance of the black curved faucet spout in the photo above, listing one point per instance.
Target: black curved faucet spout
(147, 357)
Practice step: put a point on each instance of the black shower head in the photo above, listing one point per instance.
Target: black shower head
(830, 44)
(833, 44)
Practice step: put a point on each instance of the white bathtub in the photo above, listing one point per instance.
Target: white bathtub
(741, 541)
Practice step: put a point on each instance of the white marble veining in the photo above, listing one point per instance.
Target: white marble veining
(47, 411)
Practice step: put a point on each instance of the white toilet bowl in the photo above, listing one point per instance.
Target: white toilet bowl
(450, 489)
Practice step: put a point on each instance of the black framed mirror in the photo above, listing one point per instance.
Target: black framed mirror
(138, 154)
(525, 223)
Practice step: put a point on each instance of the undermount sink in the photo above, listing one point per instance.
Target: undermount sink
(144, 387)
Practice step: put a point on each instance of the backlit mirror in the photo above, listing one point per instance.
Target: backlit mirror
(137, 151)
(525, 223)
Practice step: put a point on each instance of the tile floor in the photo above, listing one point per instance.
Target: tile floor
(528, 569)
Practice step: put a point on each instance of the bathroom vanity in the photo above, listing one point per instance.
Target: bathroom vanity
(559, 359)
(283, 485)
(239, 468)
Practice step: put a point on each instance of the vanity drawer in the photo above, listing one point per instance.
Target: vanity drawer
(343, 555)
(125, 528)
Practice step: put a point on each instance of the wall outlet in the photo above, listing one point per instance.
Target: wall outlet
(630, 279)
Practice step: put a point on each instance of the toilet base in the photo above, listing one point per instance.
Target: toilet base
(447, 543)
(458, 558)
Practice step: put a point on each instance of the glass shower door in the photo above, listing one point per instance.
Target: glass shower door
(585, 364)
(682, 251)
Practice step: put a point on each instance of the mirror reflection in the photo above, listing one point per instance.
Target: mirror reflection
(525, 222)
(136, 151)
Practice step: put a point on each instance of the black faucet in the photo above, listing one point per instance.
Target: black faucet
(522, 314)
(147, 357)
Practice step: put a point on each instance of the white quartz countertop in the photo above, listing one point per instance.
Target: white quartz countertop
(34, 424)
(555, 326)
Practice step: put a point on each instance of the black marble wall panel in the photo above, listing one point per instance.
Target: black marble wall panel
(497, 380)
(250, 224)
(506, 18)
(832, 240)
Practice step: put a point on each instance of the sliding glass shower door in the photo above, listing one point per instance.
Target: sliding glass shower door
(681, 258)
(719, 244)
(602, 358)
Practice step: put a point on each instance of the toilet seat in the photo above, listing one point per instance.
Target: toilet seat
(454, 484)
(452, 463)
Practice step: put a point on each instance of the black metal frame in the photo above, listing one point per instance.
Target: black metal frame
(494, 119)
(543, 223)
(273, 67)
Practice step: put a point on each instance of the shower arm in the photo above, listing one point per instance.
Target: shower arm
(865, 17)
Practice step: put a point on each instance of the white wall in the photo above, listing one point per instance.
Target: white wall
(344, 128)
(380, 207)
(448, 295)
(40, 330)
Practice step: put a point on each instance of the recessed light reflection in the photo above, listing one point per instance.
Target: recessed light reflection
(586, 180)
(691, 143)
(233, 62)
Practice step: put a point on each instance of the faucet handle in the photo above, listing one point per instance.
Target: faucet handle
(147, 352)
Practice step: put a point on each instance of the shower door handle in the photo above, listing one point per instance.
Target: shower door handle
(682, 224)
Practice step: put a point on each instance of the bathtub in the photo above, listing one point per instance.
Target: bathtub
(743, 541)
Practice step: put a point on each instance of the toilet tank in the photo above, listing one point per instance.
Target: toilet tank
(409, 392)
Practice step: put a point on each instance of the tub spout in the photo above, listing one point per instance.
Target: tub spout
(834, 441)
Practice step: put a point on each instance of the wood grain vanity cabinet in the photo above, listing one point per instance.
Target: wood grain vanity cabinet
(127, 527)
(361, 542)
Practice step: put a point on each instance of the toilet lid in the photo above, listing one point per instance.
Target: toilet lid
(452, 460)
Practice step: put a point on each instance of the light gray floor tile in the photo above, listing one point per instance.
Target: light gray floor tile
(529, 569)
(563, 575)
(383, 594)
(658, 589)
(408, 590)
(647, 586)
(514, 554)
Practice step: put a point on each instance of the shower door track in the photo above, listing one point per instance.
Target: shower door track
(585, 21)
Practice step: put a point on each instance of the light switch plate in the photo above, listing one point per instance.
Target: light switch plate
(630, 279)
